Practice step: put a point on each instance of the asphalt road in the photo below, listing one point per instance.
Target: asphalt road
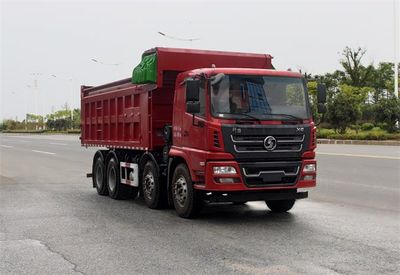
(53, 222)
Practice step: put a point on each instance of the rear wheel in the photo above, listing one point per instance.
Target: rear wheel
(153, 192)
(98, 176)
(280, 206)
(116, 189)
(187, 201)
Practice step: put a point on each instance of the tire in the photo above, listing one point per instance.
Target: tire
(116, 190)
(187, 201)
(99, 176)
(154, 193)
(280, 206)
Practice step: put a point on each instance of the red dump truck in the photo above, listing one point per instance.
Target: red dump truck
(194, 126)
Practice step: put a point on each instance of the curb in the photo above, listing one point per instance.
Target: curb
(359, 142)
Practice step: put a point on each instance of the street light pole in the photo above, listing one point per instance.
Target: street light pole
(396, 48)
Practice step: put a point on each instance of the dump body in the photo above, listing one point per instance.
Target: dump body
(132, 116)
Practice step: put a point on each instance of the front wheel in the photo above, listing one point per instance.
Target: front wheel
(187, 201)
(280, 206)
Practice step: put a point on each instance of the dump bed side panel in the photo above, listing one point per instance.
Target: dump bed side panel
(117, 118)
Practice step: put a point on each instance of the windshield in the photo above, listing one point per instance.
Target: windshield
(261, 97)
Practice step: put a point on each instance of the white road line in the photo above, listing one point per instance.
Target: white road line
(6, 146)
(357, 155)
(56, 143)
(43, 152)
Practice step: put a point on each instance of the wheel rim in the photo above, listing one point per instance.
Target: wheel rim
(180, 191)
(99, 177)
(112, 179)
(148, 185)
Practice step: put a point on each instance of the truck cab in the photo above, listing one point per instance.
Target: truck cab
(245, 134)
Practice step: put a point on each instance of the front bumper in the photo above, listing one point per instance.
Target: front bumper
(258, 176)
(244, 196)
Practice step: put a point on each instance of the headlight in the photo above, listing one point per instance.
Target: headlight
(219, 170)
(309, 168)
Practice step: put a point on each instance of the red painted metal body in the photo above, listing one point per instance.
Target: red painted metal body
(129, 116)
(123, 115)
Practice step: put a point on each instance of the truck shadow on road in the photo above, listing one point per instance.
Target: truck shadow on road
(236, 214)
(227, 213)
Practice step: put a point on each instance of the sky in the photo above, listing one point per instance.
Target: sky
(47, 47)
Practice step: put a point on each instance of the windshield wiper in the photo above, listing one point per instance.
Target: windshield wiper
(242, 114)
(286, 115)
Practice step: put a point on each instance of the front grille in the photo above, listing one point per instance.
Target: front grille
(270, 173)
(255, 143)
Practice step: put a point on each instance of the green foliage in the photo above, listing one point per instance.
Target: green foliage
(61, 120)
(356, 127)
(367, 126)
(355, 73)
(387, 110)
(345, 108)
(381, 80)
(374, 134)
(367, 112)
(325, 133)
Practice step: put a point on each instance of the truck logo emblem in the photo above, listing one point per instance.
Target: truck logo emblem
(300, 129)
(270, 143)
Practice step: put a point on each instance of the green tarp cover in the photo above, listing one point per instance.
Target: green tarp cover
(146, 71)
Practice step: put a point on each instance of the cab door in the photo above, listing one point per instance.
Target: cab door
(194, 126)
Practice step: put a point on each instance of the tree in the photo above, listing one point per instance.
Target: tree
(345, 108)
(387, 111)
(355, 73)
(382, 80)
(76, 124)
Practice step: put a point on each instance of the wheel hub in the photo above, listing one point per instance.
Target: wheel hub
(148, 185)
(99, 176)
(112, 179)
(180, 191)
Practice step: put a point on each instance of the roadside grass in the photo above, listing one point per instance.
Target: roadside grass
(75, 131)
(375, 133)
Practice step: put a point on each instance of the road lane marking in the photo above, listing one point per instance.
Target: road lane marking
(43, 152)
(357, 155)
(56, 143)
(6, 146)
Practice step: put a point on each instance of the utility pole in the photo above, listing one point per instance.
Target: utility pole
(396, 47)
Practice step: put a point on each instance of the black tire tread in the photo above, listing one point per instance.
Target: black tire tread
(194, 205)
(281, 205)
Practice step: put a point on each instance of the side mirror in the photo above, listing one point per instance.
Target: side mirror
(192, 90)
(193, 107)
(321, 93)
(321, 108)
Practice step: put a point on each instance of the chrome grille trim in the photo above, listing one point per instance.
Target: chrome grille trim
(270, 172)
(279, 138)
(265, 151)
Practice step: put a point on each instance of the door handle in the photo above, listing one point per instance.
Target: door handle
(185, 133)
